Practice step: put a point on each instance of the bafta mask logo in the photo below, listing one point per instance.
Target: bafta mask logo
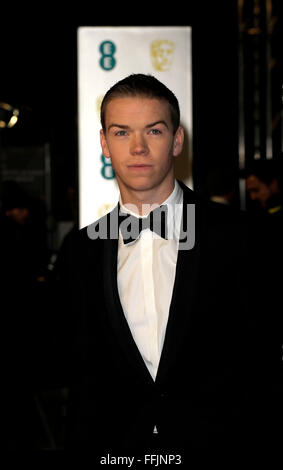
(162, 54)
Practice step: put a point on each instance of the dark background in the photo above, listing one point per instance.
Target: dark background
(38, 74)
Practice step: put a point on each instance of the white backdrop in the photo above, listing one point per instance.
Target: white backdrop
(106, 55)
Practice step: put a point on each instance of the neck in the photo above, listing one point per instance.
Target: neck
(142, 202)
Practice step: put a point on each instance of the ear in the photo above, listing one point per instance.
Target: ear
(274, 186)
(104, 145)
(178, 141)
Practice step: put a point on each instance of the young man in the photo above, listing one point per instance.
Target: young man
(263, 185)
(161, 321)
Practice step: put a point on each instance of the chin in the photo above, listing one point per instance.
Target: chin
(141, 186)
(138, 183)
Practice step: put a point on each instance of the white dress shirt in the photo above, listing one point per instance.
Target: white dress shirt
(146, 275)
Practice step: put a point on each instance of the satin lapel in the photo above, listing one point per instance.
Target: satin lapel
(183, 298)
(115, 312)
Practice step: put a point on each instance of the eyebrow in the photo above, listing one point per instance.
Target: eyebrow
(157, 122)
(123, 126)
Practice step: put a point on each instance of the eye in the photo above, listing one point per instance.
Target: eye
(120, 133)
(155, 131)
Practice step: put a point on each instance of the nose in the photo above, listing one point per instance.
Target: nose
(138, 145)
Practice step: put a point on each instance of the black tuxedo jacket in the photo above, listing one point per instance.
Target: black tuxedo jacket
(201, 397)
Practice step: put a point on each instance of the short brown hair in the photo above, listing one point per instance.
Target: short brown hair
(142, 85)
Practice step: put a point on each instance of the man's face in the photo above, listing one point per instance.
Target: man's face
(258, 190)
(139, 140)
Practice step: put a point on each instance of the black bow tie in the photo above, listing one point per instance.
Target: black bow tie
(132, 226)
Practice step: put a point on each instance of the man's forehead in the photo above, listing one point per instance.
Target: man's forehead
(253, 180)
(125, 108)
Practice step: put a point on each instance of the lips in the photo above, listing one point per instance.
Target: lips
(139, 165)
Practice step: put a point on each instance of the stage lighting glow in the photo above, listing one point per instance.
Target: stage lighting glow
(8, 115)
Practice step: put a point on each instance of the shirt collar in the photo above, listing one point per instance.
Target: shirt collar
(176, 197)
(175, 203)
